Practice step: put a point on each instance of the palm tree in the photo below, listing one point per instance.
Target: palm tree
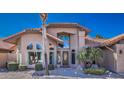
(99, 36)
(44, 18)
(88, 55)
(96, 54)
(84, 58)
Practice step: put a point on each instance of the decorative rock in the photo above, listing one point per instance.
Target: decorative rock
(79, 67)
(95, 66)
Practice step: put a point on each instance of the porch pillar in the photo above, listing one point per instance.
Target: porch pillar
(69, 57)
(19, 57)
(61, 52)
(55, 56)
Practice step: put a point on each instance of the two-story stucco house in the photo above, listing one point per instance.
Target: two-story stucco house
(64, 40)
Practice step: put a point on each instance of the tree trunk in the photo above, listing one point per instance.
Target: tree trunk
(46, 65)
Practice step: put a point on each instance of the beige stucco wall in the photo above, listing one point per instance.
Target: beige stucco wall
(121, 42)
(120, 58)
(27, 39)
(81, 39)
(76, 42)
(76, 39)
(109, 59)
(76, 36)
(3, 59)
(12, 57)
(6, 58)
(34, 38)
(54, 31)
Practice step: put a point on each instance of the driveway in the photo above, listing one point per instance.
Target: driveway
(60, 73)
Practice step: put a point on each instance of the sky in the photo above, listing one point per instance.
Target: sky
(107, 25)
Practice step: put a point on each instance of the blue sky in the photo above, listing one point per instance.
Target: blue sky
(107, 25)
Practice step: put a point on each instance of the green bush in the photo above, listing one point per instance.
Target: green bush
(38, 67)
(51, 67)
(95, 71)
(22, 67)
(12, 66)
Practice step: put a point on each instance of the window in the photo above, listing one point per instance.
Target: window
(51, 57)
(30, 47)
(73, 57)
(66, 39)
(38, 47)
(120, 51)
(51, 46)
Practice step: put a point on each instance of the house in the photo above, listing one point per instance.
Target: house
(64, 40)
(113, 52)
(6, 53)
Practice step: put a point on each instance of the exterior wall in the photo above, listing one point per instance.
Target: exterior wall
(12, 57)
(81, 39)
(3, 59)
(54, 51)
(25, 41)
(109, 59)
(76, 40)
(34, 39)
(7, 57)
(54, 31)
(121, 42)
(120, 57)
(89, 42)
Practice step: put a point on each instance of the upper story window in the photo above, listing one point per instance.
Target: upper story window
(66, 40)
(30, 46)
(38, 47)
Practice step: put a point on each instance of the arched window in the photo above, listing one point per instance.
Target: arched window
(38, 47)
(30, 46)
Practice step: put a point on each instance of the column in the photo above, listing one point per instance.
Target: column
(61, 52)
(55, 56)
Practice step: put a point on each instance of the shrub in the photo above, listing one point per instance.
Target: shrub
(38, 67)
(22, 67)
(51, 67)
(96, 71)
(12, 66)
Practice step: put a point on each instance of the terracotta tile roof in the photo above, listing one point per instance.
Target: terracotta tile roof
(106, 42)
(5, 46)
(114, 39)
(37, 30)
(97, 40)
(68, 25)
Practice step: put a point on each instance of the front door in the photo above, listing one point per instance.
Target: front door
(34, 57)
(65, 58)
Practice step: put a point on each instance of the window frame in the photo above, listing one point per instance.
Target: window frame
(59, 34)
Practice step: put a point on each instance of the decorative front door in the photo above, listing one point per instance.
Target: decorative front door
(65, 58)
(34, 57)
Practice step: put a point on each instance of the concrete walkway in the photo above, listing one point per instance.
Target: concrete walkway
(59, 73)
(74, 73)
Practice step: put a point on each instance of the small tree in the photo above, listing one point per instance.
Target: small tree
(96, 55)
(84, 57)
(88, 55)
